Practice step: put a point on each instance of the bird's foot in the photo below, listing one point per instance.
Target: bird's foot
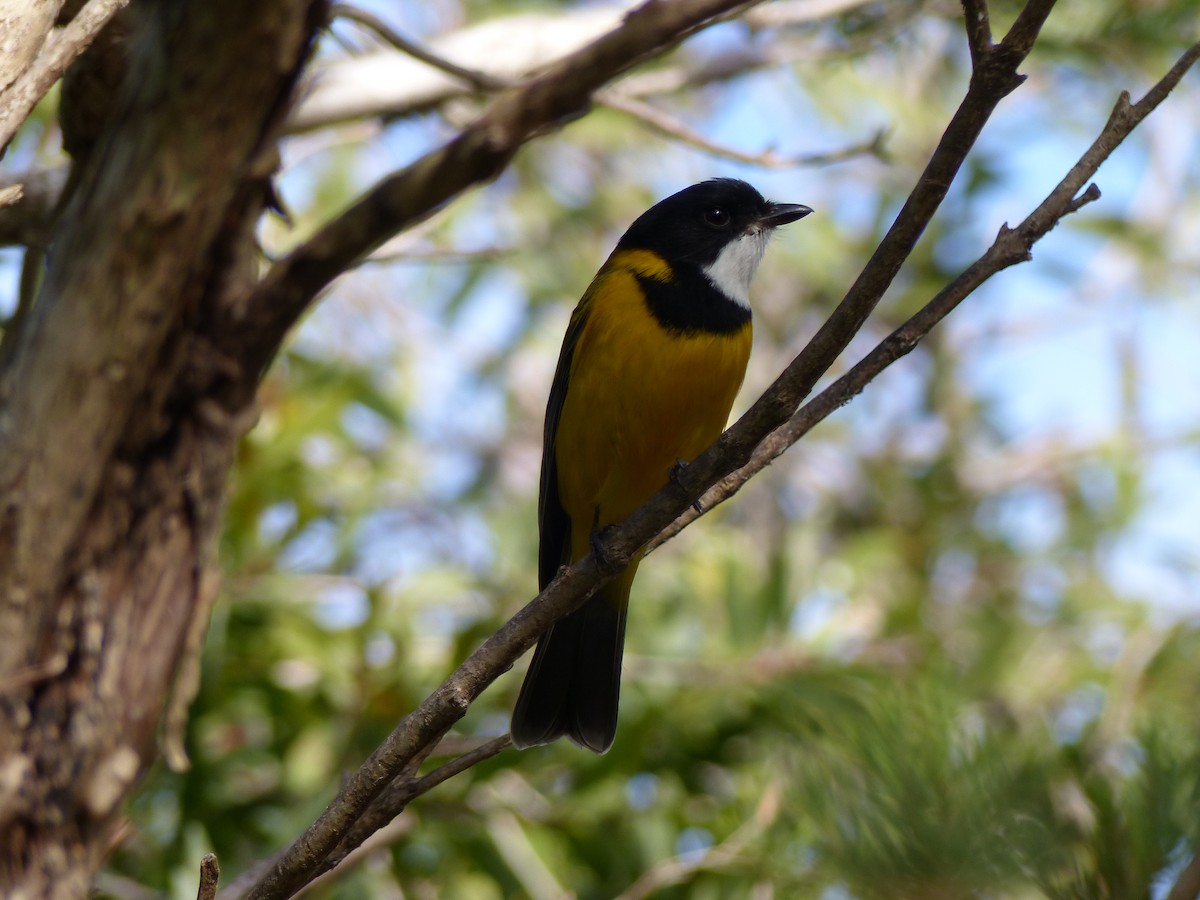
(597, 541)
(676, 475)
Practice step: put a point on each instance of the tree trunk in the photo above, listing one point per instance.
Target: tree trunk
(120, 411)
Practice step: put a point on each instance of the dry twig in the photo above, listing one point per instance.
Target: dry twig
(210, 874)
(481, 81)
(482, 150)
(60, 51)
(670, 127)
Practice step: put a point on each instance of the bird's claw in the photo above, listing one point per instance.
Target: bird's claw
(596, 541)
(676, 475)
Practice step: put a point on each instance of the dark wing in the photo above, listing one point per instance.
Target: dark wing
(554, 525)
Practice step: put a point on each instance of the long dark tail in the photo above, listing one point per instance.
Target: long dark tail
(574, 681)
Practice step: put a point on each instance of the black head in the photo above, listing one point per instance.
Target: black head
(695, 224)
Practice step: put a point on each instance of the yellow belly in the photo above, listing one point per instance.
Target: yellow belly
(639, 399)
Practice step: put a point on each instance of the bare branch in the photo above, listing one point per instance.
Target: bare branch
(672, 128)
(447, 771)
(386, 84)
(22, 95)
(386, 807)
(479, 153)
(481, 81)
(1187, 885)
(403, 791)
(993, 80)
(389, 83)
(1011, 246)
(390, 834)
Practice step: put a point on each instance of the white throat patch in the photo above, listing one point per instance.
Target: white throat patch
(735, 265)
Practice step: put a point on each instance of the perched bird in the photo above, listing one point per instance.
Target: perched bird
(653, 356)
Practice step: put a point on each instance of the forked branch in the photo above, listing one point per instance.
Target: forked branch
(773, 423)
(1012, 246)
(481, 151)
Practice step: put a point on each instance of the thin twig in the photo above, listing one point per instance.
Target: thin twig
(396, 798)
(436, 255)
(384, 810)
(481, 81)
(390, 834)
(27, 220)
(996, 78)
(462, 763)
(678, 869)
(481, 151)
(670, 127)
(979, 29)
(19, 99)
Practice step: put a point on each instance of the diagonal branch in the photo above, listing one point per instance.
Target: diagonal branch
(674, 129)
(316, 850)
(482, 150)
(562, 93)
(20, 97)
(1187, 885)
(481, 81)
(1012, 246)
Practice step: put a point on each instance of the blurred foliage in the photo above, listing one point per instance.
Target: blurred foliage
(897, 665)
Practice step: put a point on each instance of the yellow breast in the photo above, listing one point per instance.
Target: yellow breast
(639, 398)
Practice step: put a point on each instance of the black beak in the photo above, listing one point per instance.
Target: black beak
(781, 213)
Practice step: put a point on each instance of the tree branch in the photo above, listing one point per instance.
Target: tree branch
(401, 792)
(979, 29)
(1011, 246)
(1187, 885)
(480, 151)
(672, 128)
(26, 218)
(481, 81)
(478, 154)
(19, 99)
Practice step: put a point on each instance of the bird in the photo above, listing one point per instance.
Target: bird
(653, 357)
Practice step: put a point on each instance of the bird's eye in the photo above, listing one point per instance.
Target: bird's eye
(717, 217)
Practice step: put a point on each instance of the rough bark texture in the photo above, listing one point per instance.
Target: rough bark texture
(119, 414)
(24, 25)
